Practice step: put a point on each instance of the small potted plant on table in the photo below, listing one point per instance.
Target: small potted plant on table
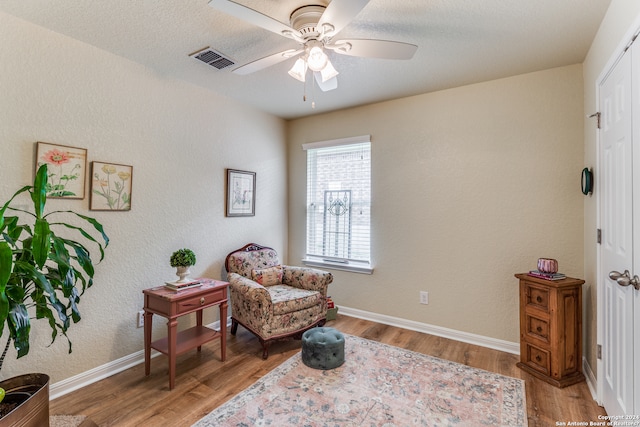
(182, 259)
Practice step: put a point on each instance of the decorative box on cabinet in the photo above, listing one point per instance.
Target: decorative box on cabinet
(551, 329)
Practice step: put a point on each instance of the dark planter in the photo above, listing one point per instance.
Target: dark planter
(31, 393)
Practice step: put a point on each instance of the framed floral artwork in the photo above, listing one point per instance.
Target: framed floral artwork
(241, 193)
(66, 167)
(111, 186)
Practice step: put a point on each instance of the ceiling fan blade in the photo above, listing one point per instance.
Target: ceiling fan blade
(330, 84)
(253, 17)
(368, 48)
(267, 61)
(339, 13)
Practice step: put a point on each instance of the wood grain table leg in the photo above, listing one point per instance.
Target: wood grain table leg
(172, 335)
(148, 322)
(199, 323)
(223, 331)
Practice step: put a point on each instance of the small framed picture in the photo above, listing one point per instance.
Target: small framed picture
(241, 193)
(111, 186)
(66, 169)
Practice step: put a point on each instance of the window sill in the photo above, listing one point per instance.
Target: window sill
(354, 267)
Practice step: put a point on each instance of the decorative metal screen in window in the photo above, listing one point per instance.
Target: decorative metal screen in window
(339, 201)
(336, 239)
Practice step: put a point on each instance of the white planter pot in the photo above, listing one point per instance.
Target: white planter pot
(183, 273)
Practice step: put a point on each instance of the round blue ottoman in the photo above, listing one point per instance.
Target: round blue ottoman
(323, 348)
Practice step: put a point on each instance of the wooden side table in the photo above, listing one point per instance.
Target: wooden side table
(173, 304)
(551, 329)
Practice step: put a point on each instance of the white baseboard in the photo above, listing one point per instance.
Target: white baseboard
(76, 382)
(96, 374)
(592, 381)
(101, 372)
(496, 344)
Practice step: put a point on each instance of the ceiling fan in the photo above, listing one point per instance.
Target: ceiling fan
(314, 27)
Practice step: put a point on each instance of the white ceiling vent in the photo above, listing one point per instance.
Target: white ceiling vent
(213, 58)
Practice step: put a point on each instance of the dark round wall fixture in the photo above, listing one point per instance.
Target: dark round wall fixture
(587, 181)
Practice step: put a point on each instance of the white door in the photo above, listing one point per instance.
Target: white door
(635, 108)
(616, 214)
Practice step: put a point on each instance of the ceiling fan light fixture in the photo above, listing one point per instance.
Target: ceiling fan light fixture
(328, 72)
(299, 70)
(313, 27)
(317, 59)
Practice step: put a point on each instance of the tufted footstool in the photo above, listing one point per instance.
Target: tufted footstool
(323, 348)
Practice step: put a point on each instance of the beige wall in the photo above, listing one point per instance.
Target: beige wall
(623, 16)
(470, 185)
(179, 140)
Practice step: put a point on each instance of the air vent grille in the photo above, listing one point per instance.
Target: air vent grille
(213, 58)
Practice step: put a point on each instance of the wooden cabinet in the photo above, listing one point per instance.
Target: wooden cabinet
(551, 329)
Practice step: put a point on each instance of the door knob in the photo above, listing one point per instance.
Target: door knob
(624, 279)
(615, 275)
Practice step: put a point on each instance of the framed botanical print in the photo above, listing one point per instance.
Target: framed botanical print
(66, 169)
(241, 193)
(111, 186)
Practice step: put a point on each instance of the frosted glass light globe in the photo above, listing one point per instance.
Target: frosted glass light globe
(317, 59)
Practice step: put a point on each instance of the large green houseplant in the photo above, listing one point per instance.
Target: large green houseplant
(43, 273)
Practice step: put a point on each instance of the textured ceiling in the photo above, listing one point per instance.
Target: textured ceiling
(459, 42)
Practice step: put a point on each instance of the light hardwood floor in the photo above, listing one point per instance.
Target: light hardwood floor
(204, 383)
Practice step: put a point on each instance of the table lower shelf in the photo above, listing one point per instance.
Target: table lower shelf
(187, 340)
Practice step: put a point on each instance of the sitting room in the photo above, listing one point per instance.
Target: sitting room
(483, 130)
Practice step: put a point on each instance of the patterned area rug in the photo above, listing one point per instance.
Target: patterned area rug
(66, 420)
(378, 385)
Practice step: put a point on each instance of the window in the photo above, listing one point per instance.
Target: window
(339, 204)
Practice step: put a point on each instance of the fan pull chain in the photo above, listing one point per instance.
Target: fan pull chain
(304, 90)
(304, 93)
(313, 92)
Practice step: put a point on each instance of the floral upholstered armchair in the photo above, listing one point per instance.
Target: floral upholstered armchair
(271, 300)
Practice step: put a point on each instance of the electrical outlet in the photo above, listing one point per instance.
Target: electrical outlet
(424, 297)
(140, 318)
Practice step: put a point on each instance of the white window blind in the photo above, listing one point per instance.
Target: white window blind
(339, 201)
